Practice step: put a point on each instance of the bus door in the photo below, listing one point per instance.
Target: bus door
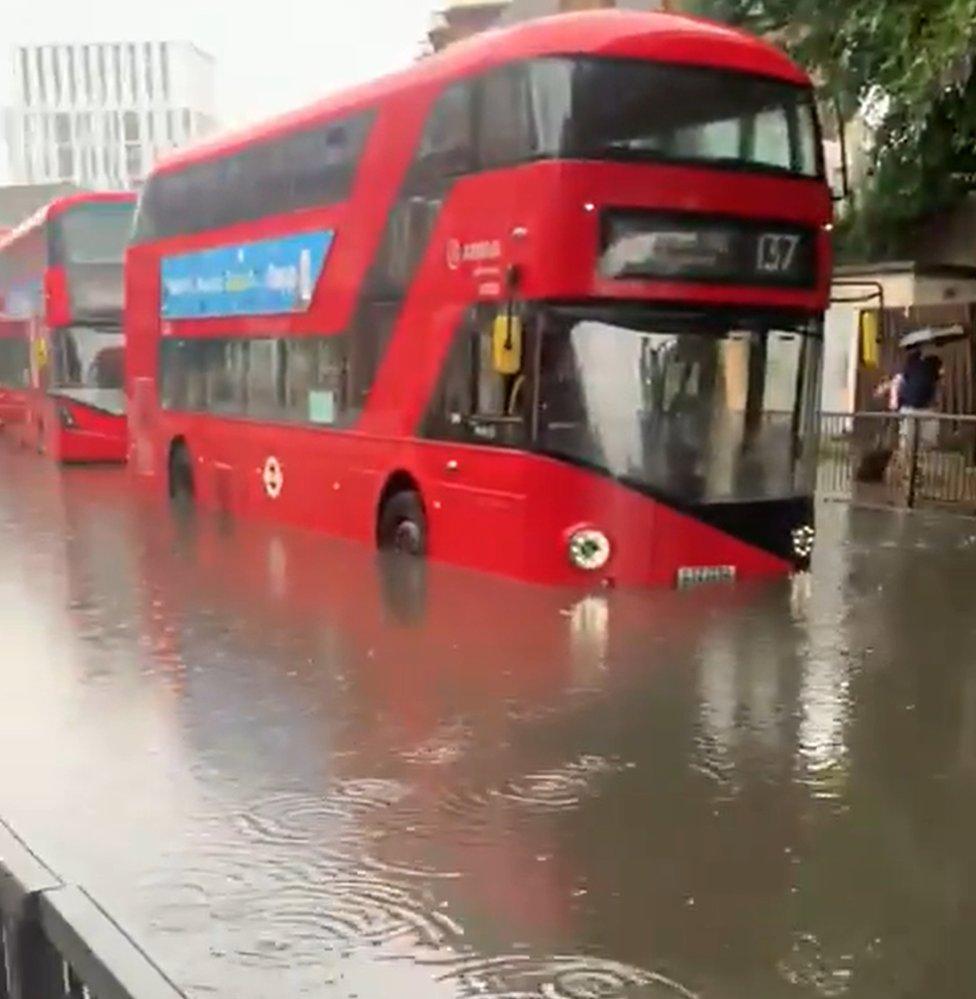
(480, 502)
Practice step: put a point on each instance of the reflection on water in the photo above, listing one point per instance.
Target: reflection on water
(293, 768)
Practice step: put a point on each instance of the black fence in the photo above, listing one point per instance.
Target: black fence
(56, 942)
(899, 459)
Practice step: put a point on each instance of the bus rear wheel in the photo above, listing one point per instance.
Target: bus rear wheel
(181, 486)
(403, 524)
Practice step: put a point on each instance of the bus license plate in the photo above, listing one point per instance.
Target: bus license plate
(701, 575)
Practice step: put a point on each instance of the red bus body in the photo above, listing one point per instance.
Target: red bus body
(60, 317)
(529, 238)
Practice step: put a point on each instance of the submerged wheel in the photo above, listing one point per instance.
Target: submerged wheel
(403, 524)
(181, 486)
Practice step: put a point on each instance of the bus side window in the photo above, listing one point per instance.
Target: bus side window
(226, 392)
(409, 227)
(506, 133)
(316, 166)
(369, 333)
(447, 145)
(183, 365)
(314, 389)
(264, 365)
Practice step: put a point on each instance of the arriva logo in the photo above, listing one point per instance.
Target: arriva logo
(478, 252)
(486, 249)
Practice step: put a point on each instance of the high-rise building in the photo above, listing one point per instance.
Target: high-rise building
(98, 115)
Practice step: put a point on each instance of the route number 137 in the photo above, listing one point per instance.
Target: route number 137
(777, 252)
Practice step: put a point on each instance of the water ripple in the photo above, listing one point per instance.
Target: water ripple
(521, 976)
(563, 788)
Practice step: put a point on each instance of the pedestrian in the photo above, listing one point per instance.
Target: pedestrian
(919, 430)
(919, 382)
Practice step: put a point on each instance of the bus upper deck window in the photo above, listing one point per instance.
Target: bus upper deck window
(447, 146)
(506, 133)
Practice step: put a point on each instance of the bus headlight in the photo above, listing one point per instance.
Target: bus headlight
(589, 549)
(803, 541)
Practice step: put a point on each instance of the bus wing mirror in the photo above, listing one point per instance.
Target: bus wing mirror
(506, 344)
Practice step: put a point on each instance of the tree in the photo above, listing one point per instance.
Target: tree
(910, 64)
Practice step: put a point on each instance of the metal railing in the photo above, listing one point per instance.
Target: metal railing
(56, 942)
(899, 459)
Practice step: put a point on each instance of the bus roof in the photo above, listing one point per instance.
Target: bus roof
(58, 206)
(609, 33)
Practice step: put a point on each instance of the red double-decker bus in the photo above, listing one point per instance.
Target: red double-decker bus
(548, 304)
(61, 346)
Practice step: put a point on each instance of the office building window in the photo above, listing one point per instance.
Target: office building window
(102, 74)
(72, 77)
(25, 77)
(117, 65)
(130, 126)
(55, 73)
(66, 163)
(133, 74)
(164, 63)
(41, 75)
(62, 127)
(147, 56)
(133, 161)
(86, 60)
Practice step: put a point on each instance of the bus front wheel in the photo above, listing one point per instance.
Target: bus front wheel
(181, 487)
(403, 524)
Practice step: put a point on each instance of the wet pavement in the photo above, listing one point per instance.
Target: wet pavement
(290, 769)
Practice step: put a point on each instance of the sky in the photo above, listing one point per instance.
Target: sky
(271, 55)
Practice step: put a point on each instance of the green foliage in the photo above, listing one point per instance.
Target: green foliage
(909, 64)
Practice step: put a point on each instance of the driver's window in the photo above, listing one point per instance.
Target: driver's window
(498, 399)
(476, 402)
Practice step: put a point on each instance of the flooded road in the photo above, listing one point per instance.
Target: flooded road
(290, 769)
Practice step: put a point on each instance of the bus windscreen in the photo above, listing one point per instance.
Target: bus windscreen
(92, 234)
(692, 410)
(593, 108)
(88, 366)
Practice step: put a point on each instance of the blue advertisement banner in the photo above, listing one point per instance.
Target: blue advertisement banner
(262, 278)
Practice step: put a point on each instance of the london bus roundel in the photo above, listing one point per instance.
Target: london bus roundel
(273, 477)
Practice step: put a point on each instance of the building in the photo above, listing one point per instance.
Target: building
(463, 18)
(98, 115)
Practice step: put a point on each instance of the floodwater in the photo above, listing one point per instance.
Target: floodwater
(290, 769)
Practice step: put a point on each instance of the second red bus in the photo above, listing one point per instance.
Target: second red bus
(61, 342)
